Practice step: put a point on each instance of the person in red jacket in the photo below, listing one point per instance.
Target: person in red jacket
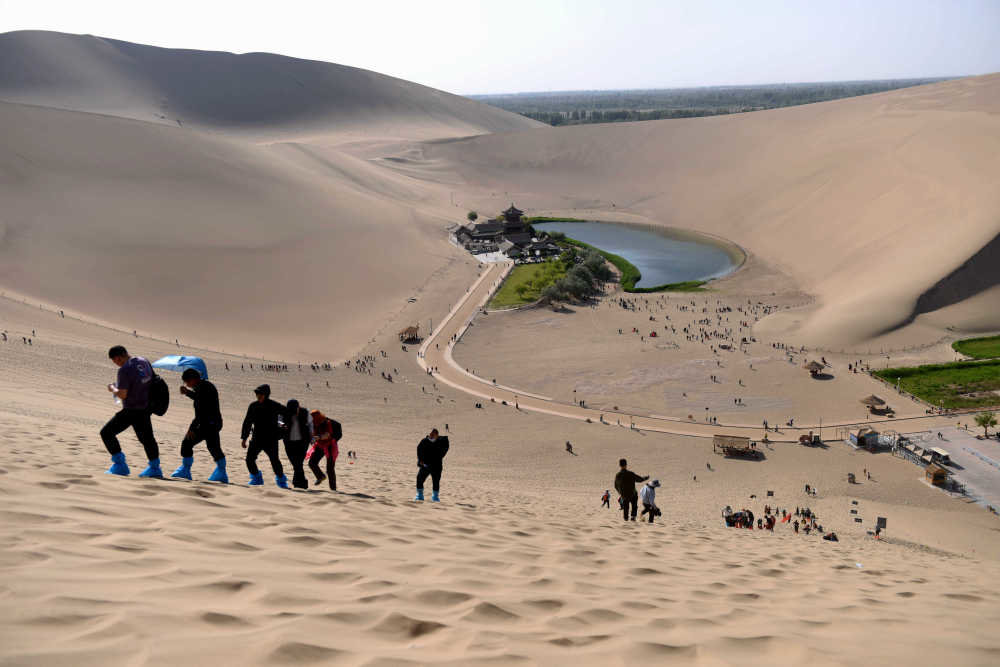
(327, 433)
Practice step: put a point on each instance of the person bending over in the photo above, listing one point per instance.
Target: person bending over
(647, 495)
(328, 433)
(430, 459)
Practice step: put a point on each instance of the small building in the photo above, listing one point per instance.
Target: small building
(936, 475)
(513, 214)
(865, 438)
(939, 455)
(735, 446)
(543, 249)
(488, 235)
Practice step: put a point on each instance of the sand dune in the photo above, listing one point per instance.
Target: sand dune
(271, 95)
(230, 210)
(519, 565)
(203, 239)
(872, 204)
(304, 218)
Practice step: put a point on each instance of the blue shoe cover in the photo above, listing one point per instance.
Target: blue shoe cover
(434, 497)
(256, 479)
(281, 481)
(420, 494)
(184, 471)
(219, 474)
(152, 470)
(118, 465)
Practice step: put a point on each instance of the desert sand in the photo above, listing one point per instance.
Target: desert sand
(314, 230)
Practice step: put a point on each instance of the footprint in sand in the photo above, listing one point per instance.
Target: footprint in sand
(963, 597)
(336, 577)
(442, 598)
(399, 627)
(223, 620)
(488, 613)
(577, 642)
(297, 653)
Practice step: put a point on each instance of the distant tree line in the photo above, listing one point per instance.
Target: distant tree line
(610, 106)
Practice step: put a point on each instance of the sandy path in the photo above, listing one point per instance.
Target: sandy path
(436, 354)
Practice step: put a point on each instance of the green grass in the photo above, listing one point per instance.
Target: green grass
(631, 275)
(535, 277)
(944, 384)
(978, 348)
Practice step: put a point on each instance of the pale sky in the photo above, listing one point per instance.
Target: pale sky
(468, 47)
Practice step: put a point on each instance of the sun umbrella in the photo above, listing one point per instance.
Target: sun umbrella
(177, 362)
(872, 401)
(814, 367)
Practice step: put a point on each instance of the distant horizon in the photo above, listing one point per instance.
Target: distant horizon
(534, 92)
(517, 46)
(725, 85)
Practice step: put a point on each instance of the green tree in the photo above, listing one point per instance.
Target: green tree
(521, 290)
(986, 419)
(552, 293)
(472, 216)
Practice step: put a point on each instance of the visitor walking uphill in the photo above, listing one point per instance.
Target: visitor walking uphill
(430, 459)
(298, 435)
(647, 496)
(262, 420)
(206, 426)
(625, 482)
(328, 433)
(135, 377)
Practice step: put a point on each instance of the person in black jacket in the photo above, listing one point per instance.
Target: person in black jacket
(430, 456)
(263, 417)
(298, 435)
(206, 426)
(625, 482)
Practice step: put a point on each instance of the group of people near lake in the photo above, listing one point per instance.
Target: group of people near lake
(308, 436)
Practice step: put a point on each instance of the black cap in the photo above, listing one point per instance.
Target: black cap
(263, 389)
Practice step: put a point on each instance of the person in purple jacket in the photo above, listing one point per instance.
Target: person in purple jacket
(132, 387)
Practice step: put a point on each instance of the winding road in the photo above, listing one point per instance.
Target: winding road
(436, 354)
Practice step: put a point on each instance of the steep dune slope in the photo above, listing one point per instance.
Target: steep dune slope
(183, 225)
(263, 93)
(867, 203)
(214, 242)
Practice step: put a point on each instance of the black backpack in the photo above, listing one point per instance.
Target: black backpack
(159, 396)
(336, 430)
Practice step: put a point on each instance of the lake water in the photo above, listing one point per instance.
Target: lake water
(663, 256)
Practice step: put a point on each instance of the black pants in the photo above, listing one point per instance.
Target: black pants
(208, 433)
(648, 509)
(140, 423)
(433, 473)
(331, 467)
(295, 450)
(632, 502)
(269, 447)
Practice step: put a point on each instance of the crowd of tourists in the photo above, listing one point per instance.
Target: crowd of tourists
(309, 437)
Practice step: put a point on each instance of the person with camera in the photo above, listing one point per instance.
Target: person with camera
(647, 496)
